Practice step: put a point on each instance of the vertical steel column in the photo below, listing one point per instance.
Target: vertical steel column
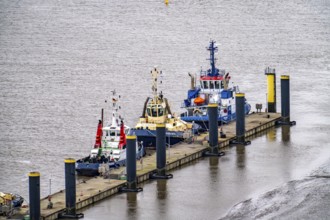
(34, 194)
(70, 186)
(271, 89)
(131, 161)
(212, 111)
(240, 118)
(102, 116)
(161, 149)
(285, 98)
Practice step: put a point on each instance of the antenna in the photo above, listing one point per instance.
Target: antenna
(213, 49)
(154, 74)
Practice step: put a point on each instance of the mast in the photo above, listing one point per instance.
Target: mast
(114, 118)
(98, 135)
(154, 74)
(212, 48)
(122, 140)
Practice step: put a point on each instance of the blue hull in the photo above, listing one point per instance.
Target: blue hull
(87, 169)
(92, 168)
(203, 121)
(148, 137)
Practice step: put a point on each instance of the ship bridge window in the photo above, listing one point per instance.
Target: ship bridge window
(148, 111)
(160, 110)
(154, 111)
(113, 133)
(206, 84)
(217, 84)
(211, 84)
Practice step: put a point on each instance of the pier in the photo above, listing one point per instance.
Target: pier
(95, 189)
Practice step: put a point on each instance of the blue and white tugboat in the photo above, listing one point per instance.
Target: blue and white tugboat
(110, 147)
(157, 111)
(212, 87)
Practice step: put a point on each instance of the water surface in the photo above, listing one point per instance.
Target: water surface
(59, 61)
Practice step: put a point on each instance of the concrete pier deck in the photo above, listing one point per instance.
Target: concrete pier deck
(95, 189)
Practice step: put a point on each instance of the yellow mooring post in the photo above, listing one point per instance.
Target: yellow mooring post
(271, 89)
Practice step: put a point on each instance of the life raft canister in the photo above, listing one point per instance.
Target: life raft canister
(199, 100)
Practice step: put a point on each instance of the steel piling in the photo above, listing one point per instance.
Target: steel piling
(131, 162)
(34, 194)
(271, 89)
(285, 98)
(213, 127)
(240, 118)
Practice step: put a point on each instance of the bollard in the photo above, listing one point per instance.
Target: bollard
(271, 89)
(70, 186)
(131, 162)
(285, 98)
(34, 193)
(212, 111)
(161, 153)
(131, 166)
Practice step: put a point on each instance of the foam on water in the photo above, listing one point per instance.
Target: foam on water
(307, 198)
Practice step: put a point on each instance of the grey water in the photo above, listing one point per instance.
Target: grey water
(59, 60)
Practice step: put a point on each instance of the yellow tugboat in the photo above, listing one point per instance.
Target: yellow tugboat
(8, 202)
(157, 111)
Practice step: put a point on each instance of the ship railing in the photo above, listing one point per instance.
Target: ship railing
(205, 73)
(151, 133)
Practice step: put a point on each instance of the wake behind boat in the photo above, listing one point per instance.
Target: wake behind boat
(156, 110)
(110, 147)
(213, 87)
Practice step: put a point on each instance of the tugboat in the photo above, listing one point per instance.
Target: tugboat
(213, 87)
(109, 148)
(8, 202)
(156, 110)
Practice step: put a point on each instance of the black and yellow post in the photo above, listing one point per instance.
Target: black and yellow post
(271, 89)
(212, 111)
(70, 186)
(285, 98)
(161, 153)
(70, 190)
(161, 149)
(240, 120)
(131, 161)
(131, 185)
(34, 194)
(285, 101)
